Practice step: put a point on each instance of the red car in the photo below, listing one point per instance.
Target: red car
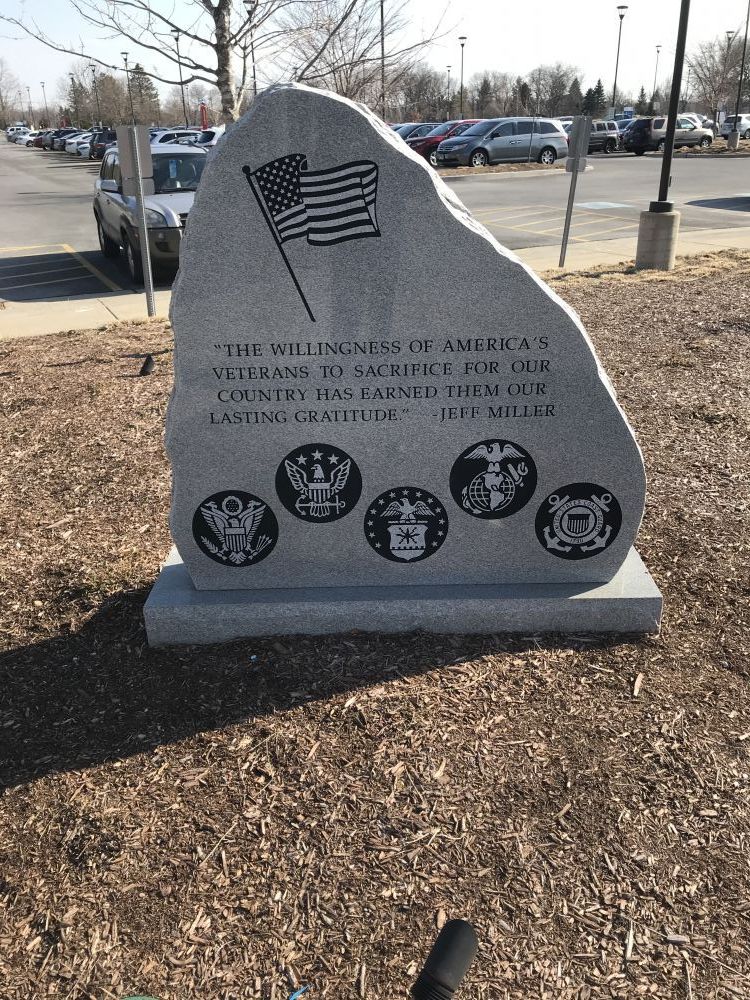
(426, 145)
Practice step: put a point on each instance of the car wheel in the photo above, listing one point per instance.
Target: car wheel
(746, 134)
(479, 158)
(660, 146)
(135, 268)
(705, 142)
(107, 246)
(432, 158)
(610, 146)
(547, 156)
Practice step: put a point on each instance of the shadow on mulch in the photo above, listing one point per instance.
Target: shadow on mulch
(101, 694)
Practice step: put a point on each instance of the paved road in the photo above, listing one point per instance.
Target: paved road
(49, 250)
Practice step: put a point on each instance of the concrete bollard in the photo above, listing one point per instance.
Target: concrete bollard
(733, 140)
(657, 240)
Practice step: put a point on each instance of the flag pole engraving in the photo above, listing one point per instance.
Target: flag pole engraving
(324, 206)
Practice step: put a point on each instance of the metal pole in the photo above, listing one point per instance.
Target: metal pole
(656, 73)
(176, 34)
(674, 102)
(448, 98)
(96, 93)
(130, 92)
(581, 135)
(75, 96)
(46, 109)
(462, 40)
(621, 11)
(252, 58)
(382, 60)
(686, 96)
(148, 278)
(31, 113)
(742, 71)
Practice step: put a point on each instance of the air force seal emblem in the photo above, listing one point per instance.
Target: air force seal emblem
(406, 524)
(578, 521)
(235, 528)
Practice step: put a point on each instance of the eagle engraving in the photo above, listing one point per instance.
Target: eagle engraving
(318, 495)
(494, 454)
(407, 512)
(236, 526)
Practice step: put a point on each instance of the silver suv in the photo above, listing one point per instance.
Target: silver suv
(177, 171)
(742, 126)
(505, 140)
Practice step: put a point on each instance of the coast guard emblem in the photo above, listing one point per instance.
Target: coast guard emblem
(578, 521)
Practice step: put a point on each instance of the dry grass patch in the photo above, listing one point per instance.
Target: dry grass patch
(227, 822)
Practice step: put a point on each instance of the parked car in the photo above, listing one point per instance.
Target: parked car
(742, 126)
(605, 137)
(171, 136)
(650, 134)
(20, 135)
(30, 138)
(206, 139)
(505, 140)
(10, 132)
(39, 141)
(177, 172)
(71, 143)
(415, 129)
(58, 143)
(84, 149)
(426, 145)
(99, 140)
(57, 133)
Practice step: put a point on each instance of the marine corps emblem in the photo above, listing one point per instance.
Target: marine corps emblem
(235, 528)
(578, 521)
(318, 483)
(493, 479)
(406, 524)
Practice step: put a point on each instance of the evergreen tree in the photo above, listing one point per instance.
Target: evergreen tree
(145, 96)
(600, 101)
(589, 102)
(642, 103)
(482, 97)
(574, 99)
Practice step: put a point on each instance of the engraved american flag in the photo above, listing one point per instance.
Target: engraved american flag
(326, 206)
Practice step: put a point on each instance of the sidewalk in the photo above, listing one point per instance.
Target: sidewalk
(33, 319)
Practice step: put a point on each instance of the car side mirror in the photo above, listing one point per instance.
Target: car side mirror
(109, 185)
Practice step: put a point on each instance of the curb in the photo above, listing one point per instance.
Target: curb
(510, 173)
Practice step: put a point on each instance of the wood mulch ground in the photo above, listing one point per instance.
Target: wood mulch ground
(230, 822)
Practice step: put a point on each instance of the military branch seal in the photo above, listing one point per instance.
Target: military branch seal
(235, 528)
(318, 483)
(578, 521)
(493, 479)
(406, 524)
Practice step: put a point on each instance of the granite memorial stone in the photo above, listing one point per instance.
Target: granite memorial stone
(378, 408)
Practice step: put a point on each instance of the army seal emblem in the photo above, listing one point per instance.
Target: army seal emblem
(235, 528)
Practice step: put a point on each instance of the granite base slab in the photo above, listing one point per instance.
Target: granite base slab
(177, 614)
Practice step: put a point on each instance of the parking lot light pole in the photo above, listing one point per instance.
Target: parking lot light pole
(656, 73)
(31, 113)
(92, 67)
(658, 227)
(130, 92)
(250, 6)
(462, 40)
(621, 11)
(734, 136)
(686, 95)
(46, 109)
(176, 33)
(448, 101)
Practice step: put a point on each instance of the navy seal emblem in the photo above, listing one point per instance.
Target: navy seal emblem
(578, 521)
(406, 524)
(318, 483)
(493, 479)
(235, 528)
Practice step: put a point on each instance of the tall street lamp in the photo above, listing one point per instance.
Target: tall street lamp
(686, 96)
(130, 92)
(734, 135)
(31, 113)
(46, 109)
(656, 73)
(462, 40)
(176, 33)
(250, 6)
(621, 11)
(448, 101)
(92, 67)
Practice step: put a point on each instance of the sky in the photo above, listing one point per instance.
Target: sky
(501, 34)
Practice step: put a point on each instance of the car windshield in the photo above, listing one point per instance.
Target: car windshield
(481, 128)
(178, 171)
(442, 129)
(404, 129)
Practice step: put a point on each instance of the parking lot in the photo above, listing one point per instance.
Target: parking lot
(49, 248)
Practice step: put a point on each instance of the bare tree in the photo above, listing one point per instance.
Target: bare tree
(9, 87)
(715, 68)
(220, 41)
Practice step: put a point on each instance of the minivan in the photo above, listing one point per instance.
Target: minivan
(505, 140)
